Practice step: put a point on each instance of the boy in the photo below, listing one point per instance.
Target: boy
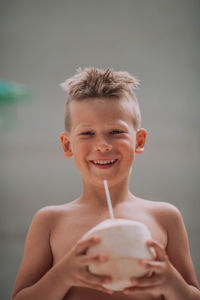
(103, 133)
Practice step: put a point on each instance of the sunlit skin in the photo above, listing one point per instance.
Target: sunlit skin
(102, 130)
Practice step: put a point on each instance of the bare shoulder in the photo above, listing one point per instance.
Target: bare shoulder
(167, 214)
(52, 210)
(38, 255)
(178, 249)
(158, 205)
(163, 211)
(48, 215)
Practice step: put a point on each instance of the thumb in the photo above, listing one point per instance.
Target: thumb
(160, 253)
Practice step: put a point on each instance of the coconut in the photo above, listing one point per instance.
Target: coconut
(124, 243)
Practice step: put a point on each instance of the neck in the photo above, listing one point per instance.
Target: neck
(96, 196)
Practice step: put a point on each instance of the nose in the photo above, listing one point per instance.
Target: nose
(102, 146)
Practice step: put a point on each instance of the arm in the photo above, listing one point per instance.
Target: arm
(173, 274)
(179, 255)
(37, 279)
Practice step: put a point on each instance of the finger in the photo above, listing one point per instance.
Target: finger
(95, 287)
(94, 279)
(148, 281)
(144, 290)
(150, 274)
(160, 251)
(152, 266)
(88, 259)
(83, 244)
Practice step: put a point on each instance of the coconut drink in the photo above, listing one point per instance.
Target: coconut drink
(124, 243)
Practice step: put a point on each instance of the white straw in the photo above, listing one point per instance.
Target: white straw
(108, 199)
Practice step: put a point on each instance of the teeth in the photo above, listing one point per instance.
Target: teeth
(104, 162)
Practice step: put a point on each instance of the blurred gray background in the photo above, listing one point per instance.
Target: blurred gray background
(43, 43)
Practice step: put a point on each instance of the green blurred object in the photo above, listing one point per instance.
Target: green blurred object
(11, 94)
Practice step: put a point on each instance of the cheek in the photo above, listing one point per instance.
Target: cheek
(79, 145)
(83, 147)
(80, 152)
(126, 146)
(128, 149)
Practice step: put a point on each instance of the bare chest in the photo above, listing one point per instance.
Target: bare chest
(68, 230)
(77, 293)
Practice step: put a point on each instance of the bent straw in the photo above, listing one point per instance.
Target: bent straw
(108, 199)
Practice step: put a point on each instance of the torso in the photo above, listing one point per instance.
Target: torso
(78, 219)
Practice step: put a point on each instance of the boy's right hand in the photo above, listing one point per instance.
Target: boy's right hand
(76, 266)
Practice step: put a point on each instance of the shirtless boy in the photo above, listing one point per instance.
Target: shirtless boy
(103, 134)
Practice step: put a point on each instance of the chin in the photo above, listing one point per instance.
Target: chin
(112, 180)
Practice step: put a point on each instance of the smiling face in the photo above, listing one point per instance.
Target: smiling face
(102, 139)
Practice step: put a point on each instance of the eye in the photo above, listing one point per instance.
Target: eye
(116, 131)
(87, 133)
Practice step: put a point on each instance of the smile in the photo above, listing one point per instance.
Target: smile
(104, 163)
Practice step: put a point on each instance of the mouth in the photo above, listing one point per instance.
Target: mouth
(104, 164)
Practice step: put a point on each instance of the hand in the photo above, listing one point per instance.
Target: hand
(76, 266)
(161, 274)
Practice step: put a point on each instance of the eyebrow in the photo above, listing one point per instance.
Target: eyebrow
(82, 126)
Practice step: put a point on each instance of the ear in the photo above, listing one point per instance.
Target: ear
(66, 144)
(140, 140)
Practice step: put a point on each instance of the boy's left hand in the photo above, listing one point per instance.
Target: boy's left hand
(162, 275)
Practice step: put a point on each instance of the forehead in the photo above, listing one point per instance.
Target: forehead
(104, 110)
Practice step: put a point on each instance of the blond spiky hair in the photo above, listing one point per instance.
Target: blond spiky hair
(97, 83)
